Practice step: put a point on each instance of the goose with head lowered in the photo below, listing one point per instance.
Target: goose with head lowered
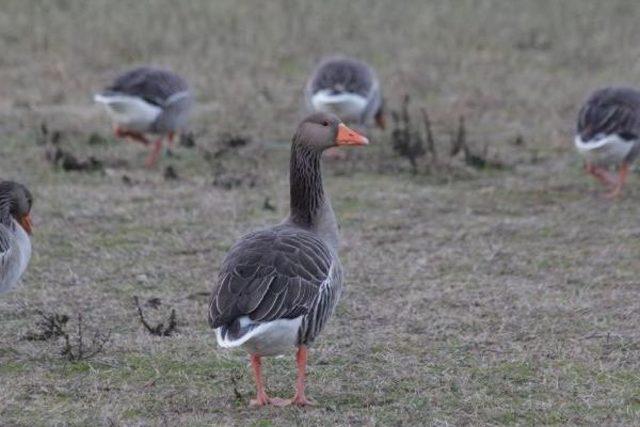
(608, 134)
(348, 88)
(278, 287)
(147, 100)
(15, 228)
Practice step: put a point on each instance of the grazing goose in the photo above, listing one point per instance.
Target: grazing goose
(608, 134)
(278, 287)
(147, 100)
(347, 88)
(15, 227)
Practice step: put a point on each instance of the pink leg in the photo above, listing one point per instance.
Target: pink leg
(601, 174)
(134, 136)
(622, 179)
(301, 361)
(261, 397)
(154, 154)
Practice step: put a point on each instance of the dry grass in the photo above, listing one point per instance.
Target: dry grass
(507, 297)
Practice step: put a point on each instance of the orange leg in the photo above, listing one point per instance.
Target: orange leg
(301, 361)
(261, 397)
(601, 175)
(170, 139)
(154, 154)
(134, 136)
(622, 179)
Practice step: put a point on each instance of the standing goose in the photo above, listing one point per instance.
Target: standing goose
(147, 100)
(278, 287)
(608, 133)
(15, 227)
(348, 88)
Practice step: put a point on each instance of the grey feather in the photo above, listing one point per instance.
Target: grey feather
(613, 110)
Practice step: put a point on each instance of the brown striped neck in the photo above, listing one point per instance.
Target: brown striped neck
(310, 205)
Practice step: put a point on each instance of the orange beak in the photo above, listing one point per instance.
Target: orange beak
(347, 136)
(25, 222)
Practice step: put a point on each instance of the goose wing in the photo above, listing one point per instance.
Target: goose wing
(346, 74)
(9, 259)
(271, 274)
(610, 111)
(157, 87)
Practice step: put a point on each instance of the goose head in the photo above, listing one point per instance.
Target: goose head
(17, 199)
(321, 131)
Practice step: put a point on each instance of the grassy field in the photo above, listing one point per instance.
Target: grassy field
(473, 297)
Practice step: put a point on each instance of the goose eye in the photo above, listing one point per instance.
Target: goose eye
(325, 123)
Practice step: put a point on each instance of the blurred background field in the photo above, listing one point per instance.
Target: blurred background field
(474, 295)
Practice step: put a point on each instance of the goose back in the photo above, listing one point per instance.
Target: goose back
(155, 86)
(346, 87)
(148, 99)
(608, 126)
(280, 273)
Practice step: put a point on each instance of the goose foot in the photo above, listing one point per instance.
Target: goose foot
(301, 361)
(131, 136)
(601, 174)
(154, 154)
(260, 400)
(302, 401)
(265, 400)
(280, 403)
(619, 183)
(276, 401)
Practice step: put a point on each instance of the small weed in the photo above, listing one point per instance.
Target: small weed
(170, 174)
(158, 330)
(413, 143)
(50, 325)
(76, 348)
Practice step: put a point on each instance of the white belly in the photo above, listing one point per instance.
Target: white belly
(348, 106)
(129, 112)
(268, 339)
(606, 150)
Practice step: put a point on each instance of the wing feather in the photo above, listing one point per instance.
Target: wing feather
(153, 85)
(610, 111)
(282, 280)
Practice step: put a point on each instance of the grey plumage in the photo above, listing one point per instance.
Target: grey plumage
(160, 88)
(345, 75)
(279, 273)
(612, 111)
(153, 85)
(291, 270)
(278, 287)
(15, 246)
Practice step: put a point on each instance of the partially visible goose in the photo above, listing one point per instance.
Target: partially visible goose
(278, 287)
(608, 134)
(15, 227)
(348, 88)
(147, 100)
